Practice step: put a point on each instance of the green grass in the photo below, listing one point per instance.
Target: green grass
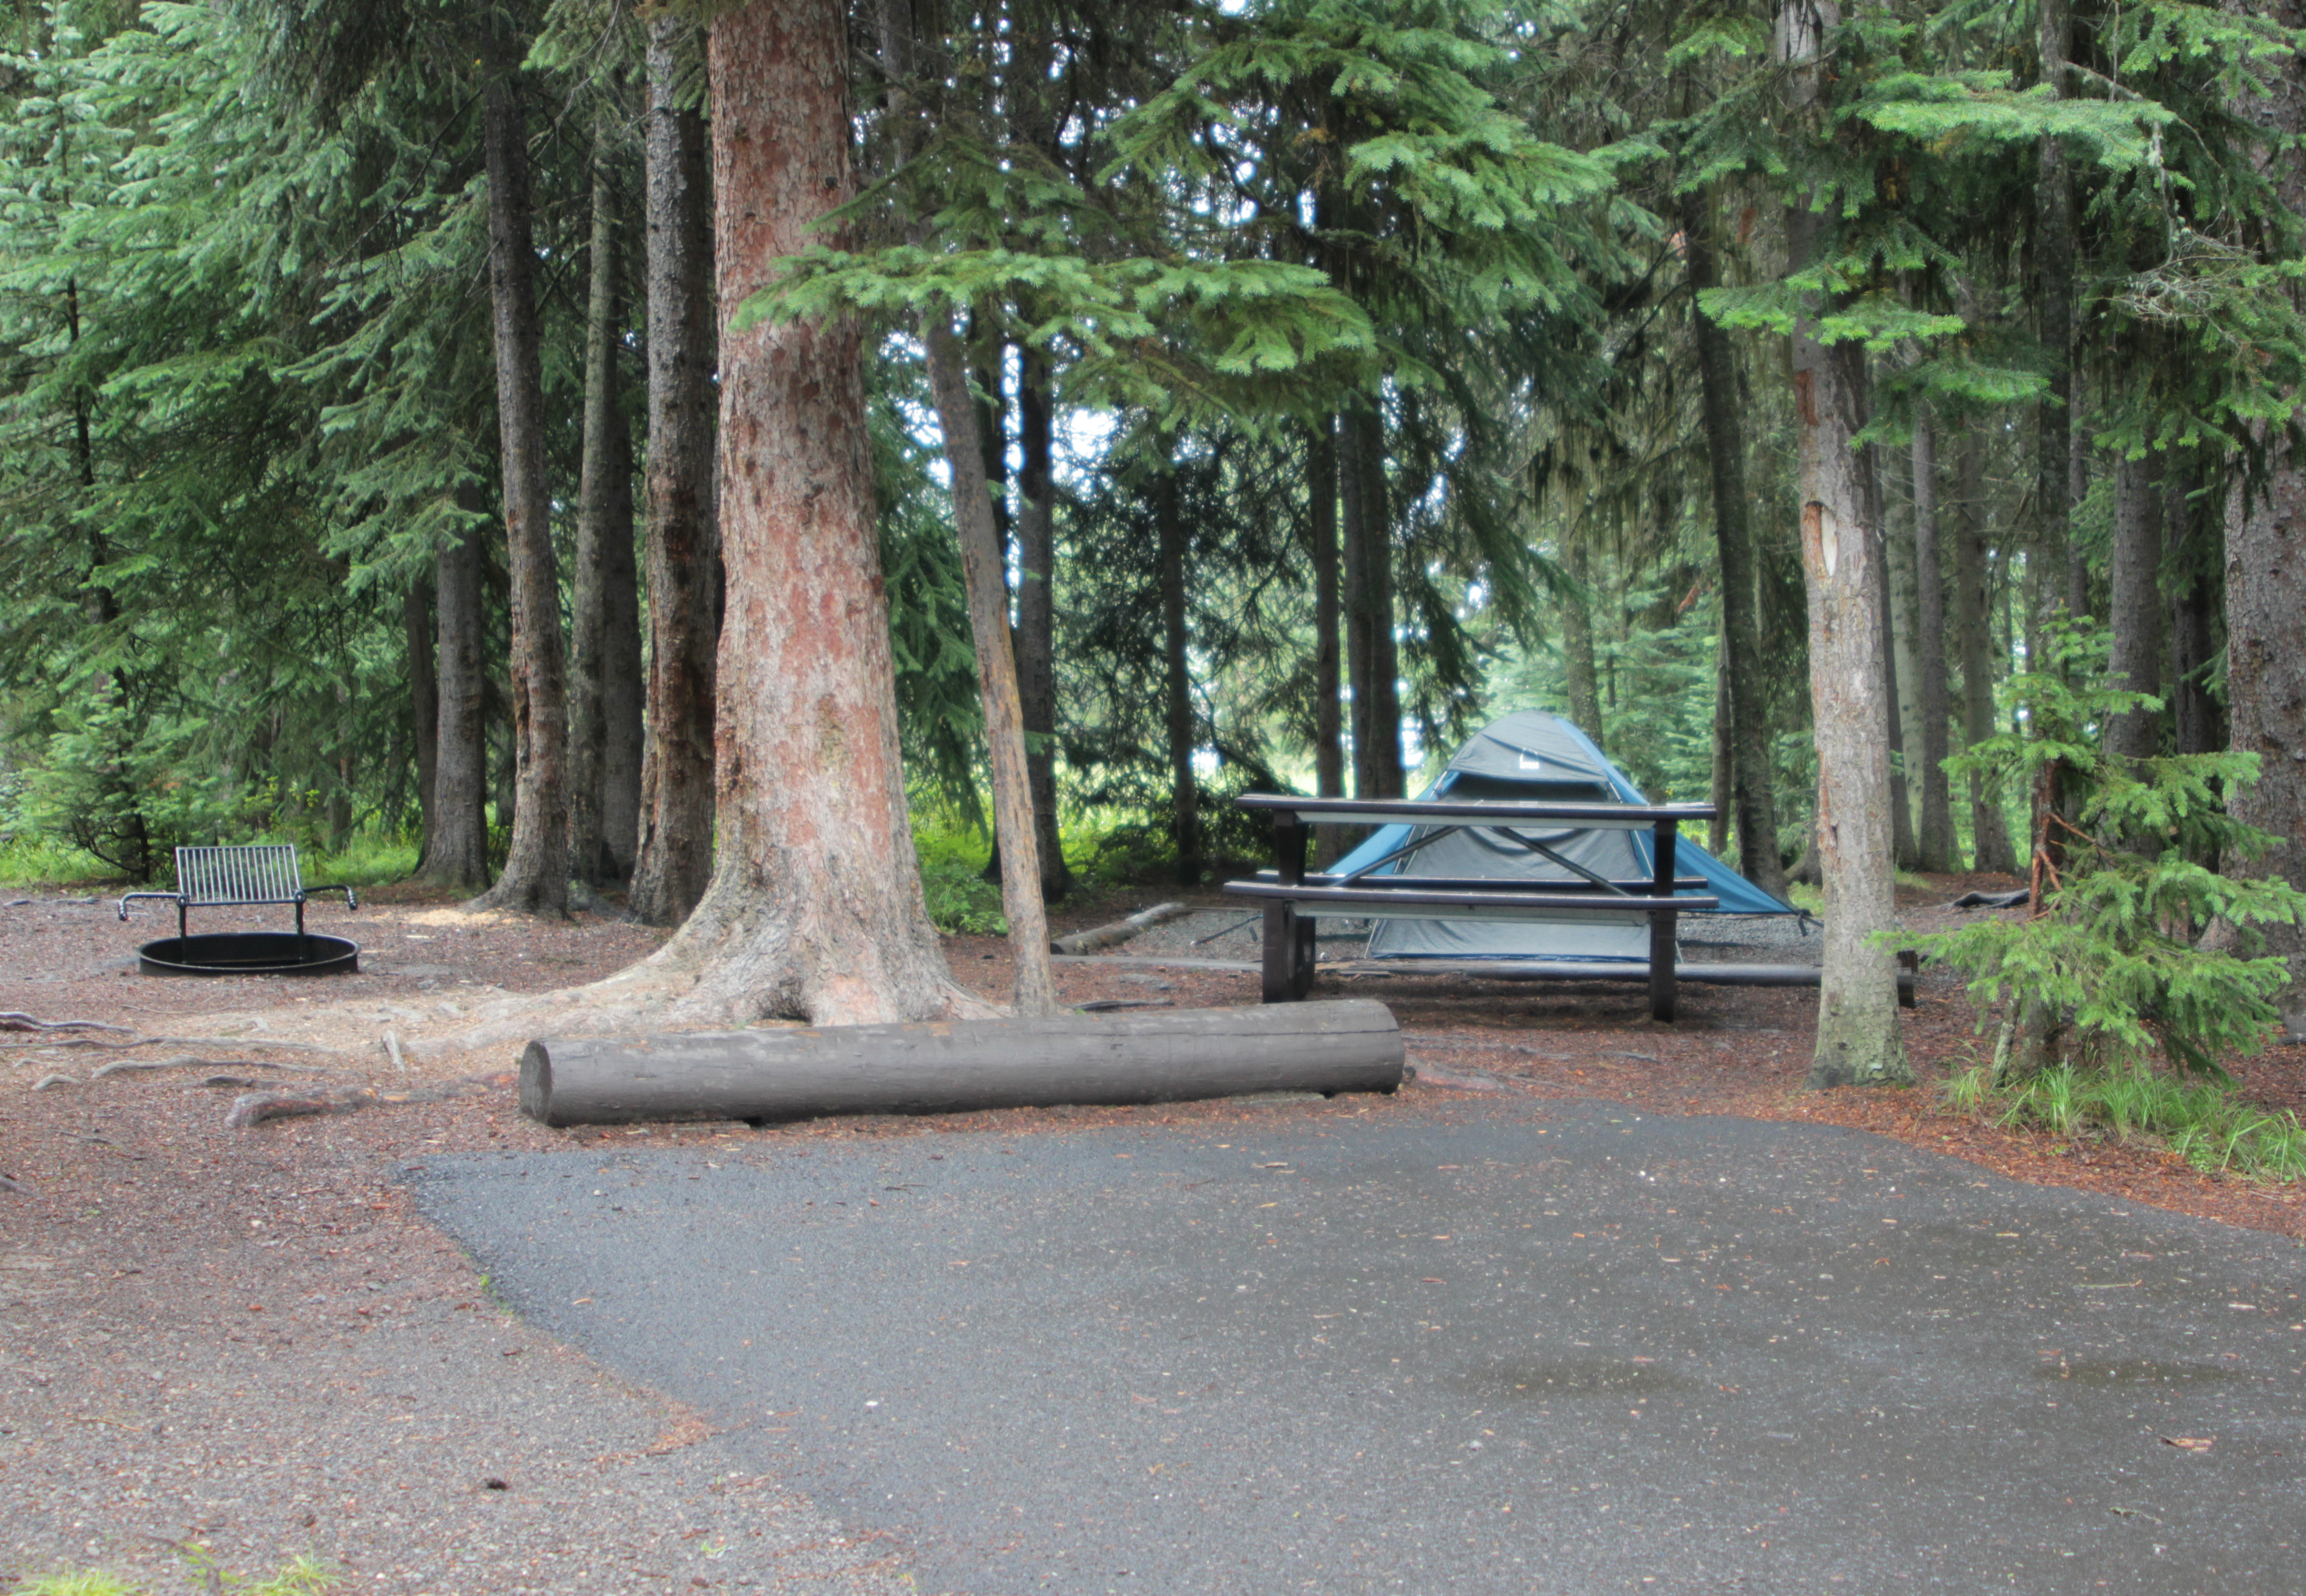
(301, 1576)
(2207, 1124)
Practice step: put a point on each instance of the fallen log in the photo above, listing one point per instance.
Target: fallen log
(954, 1066)
(1118, 932)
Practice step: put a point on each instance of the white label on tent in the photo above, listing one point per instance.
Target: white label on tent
(1528, 763)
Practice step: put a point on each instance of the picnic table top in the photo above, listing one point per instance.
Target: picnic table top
(1485, 812)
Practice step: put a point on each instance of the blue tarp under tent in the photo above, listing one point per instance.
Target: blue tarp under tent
(1532, 757)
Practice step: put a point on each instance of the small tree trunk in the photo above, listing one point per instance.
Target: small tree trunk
(1377, 596)
(1350, 485)
(1989, 830)
(1858, 1038)
(603, 667)
(1582, 681)
(1177, 683)
(1935, 840)
(997, 669)
(457, 844)
(1721, 788)
(674, 834)
(535, 879)
(2047, 576)
(423, 704)
(2197, 602)
(1755, 793)
(1322, 490)
(1901, 815)
(814, 911)
(1037, 609)
(2134, 573)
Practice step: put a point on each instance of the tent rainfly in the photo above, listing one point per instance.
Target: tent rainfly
(1532, 757)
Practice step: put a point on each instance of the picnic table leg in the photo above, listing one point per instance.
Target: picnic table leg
(1288, 936)
(1663, 922)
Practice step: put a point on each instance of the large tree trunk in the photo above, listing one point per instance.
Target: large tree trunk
(1990, 848)
(604, 766)
(1177, 682)
(2135, 573)
(814, 911)
(1858, 1038)
(535, 879)
(2266, 587)
(674, 833)
(1753, 783)
(1936, 839)
(423, 703)
(1037, 609)
(456, 845)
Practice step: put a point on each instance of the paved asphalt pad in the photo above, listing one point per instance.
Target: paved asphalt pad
(1503, 1348)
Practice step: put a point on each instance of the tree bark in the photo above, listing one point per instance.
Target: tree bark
(1859, 1041)
(535, 879)
(1037, 609)
(2134, 571)
(674, 834)
(2266, 585)
(1935, 838)
(1990, 847)
(1753, 782)
(605, 651)
(456, 845)
(814, 911)
(423, 704)
(1177, 683)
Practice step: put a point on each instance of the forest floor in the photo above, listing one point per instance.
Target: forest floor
(243, 1344)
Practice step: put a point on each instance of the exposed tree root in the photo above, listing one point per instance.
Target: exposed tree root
(25, 1022)
(127, 1066)
(253, 1108)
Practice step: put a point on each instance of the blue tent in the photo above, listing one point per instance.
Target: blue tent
(1534, 757)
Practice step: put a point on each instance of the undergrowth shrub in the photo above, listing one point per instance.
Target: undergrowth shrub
(2114, 971)
(2203, 1122)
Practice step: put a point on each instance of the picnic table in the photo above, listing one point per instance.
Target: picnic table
(1293, 900)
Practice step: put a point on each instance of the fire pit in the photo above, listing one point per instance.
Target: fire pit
(250, 954)
(238, 877)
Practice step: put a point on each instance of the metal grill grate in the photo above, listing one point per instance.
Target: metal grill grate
(263, 873)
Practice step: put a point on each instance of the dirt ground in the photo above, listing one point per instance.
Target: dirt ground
(242, 1345)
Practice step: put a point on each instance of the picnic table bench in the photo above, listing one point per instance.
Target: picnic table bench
(1293, 900)
(237, 878)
